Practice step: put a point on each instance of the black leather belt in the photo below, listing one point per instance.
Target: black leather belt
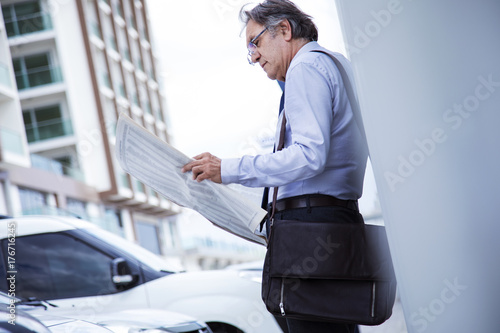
(307, 201)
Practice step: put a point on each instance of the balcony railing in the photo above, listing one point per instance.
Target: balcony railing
(49, 129)
(5, 75)
(55, 167)
(28, 24)
(11, 141)
(38, 77)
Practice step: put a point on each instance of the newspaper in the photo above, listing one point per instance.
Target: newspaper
(158, 165)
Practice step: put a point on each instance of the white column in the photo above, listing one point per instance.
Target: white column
(428, 74)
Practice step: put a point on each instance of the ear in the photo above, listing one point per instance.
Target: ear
(285, 29)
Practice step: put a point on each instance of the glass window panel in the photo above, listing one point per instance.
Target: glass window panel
(31, 200)
(50, 123)
(7, 14)
(21, 78)
(48, 113)
(18, 68)
(38, 70)
(11, 29)
(29, 17)
(77, 207)
(36, 61)
(58, 266)
(27, 8)
(27, 118)
(147, 235)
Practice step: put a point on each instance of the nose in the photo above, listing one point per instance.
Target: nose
(255, 57)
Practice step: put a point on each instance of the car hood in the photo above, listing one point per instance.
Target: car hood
(61, 324)
(143, 318)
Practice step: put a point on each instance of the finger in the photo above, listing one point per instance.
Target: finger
(201, 177)
(197, 172)
(187, 167)
(201, 156)
(190, 166)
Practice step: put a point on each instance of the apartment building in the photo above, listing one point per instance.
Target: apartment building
(68, 68)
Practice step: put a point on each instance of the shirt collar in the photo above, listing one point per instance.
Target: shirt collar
(304, 49)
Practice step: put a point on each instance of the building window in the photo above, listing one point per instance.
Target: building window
(116, 78)
(122, 40)
(70, 167)
(35, 70)
(123, 179)
(109, 115)
(77, 207)
(25, 17)
(139, 187)
(118, 9)
(46, 123)
(136, 54)
(147, 235)
(109, 33)
(32, 202)
(92, 20)
(148, 65)
(101, 68)
(141, 27)
(111, 221)
(146, 105)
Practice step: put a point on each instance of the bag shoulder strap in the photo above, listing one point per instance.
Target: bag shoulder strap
(349, 87)
(281, 145)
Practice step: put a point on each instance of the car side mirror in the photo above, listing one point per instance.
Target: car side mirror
(121, 274)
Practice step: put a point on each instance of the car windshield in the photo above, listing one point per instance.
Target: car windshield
(143, 255)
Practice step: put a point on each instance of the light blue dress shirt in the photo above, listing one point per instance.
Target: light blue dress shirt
(324, 149)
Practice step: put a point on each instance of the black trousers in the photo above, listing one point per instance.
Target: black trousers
(340, 215)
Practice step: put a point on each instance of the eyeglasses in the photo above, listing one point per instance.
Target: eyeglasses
(252, 47)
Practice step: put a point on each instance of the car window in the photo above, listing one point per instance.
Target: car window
(143, 255)
(52, 266)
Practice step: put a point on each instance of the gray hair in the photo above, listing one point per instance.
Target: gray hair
(271, 13)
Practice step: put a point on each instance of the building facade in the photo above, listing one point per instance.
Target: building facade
(68, 69)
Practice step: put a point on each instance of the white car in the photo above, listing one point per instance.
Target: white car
(88, 271)
(15, 311)
(19, 321)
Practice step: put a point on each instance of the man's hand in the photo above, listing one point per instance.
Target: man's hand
(204, 166)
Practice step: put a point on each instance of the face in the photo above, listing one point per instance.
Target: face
(270, 52)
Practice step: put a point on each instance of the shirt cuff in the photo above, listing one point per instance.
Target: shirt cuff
(229, 170)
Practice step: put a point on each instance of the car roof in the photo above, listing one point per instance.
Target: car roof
(35, 224)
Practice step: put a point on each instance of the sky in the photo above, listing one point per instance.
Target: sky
(216, 101)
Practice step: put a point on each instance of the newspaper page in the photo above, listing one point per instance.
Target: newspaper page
(158, 165)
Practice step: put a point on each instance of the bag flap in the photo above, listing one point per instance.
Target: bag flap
(329, 250)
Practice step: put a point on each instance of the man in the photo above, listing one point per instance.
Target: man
(320, 170)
